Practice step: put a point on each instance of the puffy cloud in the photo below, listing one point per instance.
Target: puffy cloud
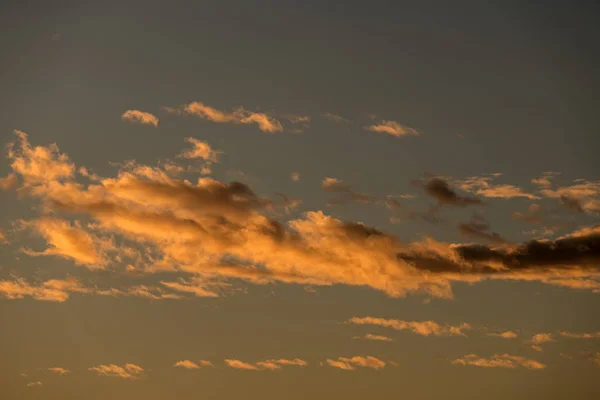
(140, 117)
(499, 361)
(392, 128)
(239, 116)
(335, 118)
(370, 336)
(213, 231)
(423, 328)
(201, 150)
(351, 363)
(582, 196)
(37, 165)
(539, 339)
(504, 335)
(127, 371)
(60, 371)
(583, 335)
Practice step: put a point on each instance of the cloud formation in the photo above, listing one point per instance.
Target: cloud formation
(127, 371)
(215, 231)
(60, 371)
(370, 336)
(580, 335)
(539, 339)
(499, 361)
(270, 365)
(238, 116)
(423, 328)
(140, 117)
(351, 363)
(392, 128)
(482, 186)
(504, 335)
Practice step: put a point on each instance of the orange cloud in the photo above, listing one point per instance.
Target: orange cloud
(60, 371)
(423, 328)
(504, 335)
(370, 336)
(584, 335)
(271, 365)
(187, 364)
(127, 371)
(140, 117)
(481, 185)
(69, 241)
(215, 231)
(9, 182)
(52, 290)
(499, 361)
(335, 118)
(392, 128)
(350, 363)
(239, 116)
(539, 339)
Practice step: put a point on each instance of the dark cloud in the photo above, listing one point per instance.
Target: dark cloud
(577, 250)
(479, 228)
(440, 190)
(572, 204)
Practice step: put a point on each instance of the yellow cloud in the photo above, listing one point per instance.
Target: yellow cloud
(350, 363)
(392, 128)
(423, 328)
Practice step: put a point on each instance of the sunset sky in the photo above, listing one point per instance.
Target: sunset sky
(299, 199)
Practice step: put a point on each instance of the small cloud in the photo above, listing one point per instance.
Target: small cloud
(140, 117)
(504, 335)
(60, 371)
(237, 364)
(392, 128)
(370, 336)
(187, 364)
(539, 339)
(335, 118)
(295, 176)
(351, 363)
(499, 361)
(31, 384)
(581, 335)
(127, 371)
(238, 116)
(422, 328)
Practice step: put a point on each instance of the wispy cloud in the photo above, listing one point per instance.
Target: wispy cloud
(240, 115)
(503, 335)
(499, 361)
(127, 371)
(392, 128)
(140, 117)
(60, 371)
(580, 335)
(423, 328)
(335, 118)
(271, 364)
(351, 363)
(370, 336)
(482, 186)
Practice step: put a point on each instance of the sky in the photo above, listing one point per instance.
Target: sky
(281, 199)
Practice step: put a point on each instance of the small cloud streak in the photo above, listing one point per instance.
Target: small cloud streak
(60, 371)
(140, 117)
(335, 118)
(499, 361)
(370, 336)
(238, 116)
(270, 365)
(392, 128)
(422, 328)
(127, 371)
(504, 335)
(351, 363)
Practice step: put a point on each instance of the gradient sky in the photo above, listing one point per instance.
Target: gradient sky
(285, 199)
